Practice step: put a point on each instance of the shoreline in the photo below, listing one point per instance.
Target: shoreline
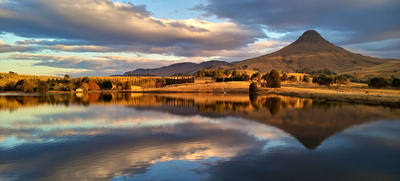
(382, 97)
(372, 100)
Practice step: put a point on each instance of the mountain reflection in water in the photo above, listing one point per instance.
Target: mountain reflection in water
(193, 137)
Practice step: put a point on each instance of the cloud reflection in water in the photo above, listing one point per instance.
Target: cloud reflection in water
(198, 137)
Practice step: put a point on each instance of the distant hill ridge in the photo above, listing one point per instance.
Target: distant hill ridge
(183, 68)
(309, 50)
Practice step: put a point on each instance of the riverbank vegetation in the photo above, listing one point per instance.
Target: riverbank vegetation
(295, 84)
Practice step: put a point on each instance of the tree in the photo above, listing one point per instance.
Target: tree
(66, 77)
(323, 79)
(85, 86)
(306, 78)
(265, 76)
(227, 72)
(120, 86)
(86, 79)
(147, 85)
(28, 86)
(92, 85)
(42, 88)
(218, 73)
(379, 82)
(292, 78)
(10, 86)
(253, 88)
(395, 82)
(128, 85)
(245, 77)
(235, 73)
(284, 77)
(257, 76)
(70, 87)
(274, 80)
(339, 80)
(106, 85)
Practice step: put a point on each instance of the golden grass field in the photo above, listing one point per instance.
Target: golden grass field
(6, 77)
(354, 92)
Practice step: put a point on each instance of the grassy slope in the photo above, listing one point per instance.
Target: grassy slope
(387, 69)
(6, 77)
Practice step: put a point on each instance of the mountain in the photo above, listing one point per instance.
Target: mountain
(309, 50)
(312, 50)
(184, 68)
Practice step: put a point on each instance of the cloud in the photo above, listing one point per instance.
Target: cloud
(196, 55)
(382, 49)
(364, 21)
(101, 65)
(104, 65)
(104, 23)
(5, 48)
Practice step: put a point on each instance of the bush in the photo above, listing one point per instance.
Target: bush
(70, 87)
(28, 86)
(85, 86)
(323, 79)
(10, 86)
(341, 79)
(284, 77)
(106, 85)
(86, 79)
(253, 88)
(42, 88)
(256, 76)
(293, 78)
(92, 85)
(274, 80)
(128, 86)
(306, 78)
(379, 82)
(395, 82)
(219, 79)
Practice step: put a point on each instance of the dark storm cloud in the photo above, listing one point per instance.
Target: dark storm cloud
(108, 24)
(362, 21)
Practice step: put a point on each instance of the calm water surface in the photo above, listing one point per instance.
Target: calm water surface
(194, 137)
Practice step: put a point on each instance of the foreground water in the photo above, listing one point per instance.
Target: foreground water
(194, 137)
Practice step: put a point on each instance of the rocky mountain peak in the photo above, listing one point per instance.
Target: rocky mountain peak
(310, 36)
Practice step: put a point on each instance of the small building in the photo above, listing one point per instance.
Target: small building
(79, 90)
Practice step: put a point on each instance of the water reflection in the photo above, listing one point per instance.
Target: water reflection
(193, 137)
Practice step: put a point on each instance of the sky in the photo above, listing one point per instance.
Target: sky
(104, 37)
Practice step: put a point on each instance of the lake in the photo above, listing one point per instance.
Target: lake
(118, 136)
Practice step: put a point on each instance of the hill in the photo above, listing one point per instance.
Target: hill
(6, 77)
(309, 50)
(387, 69)
(312, 50)
(183, 68)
